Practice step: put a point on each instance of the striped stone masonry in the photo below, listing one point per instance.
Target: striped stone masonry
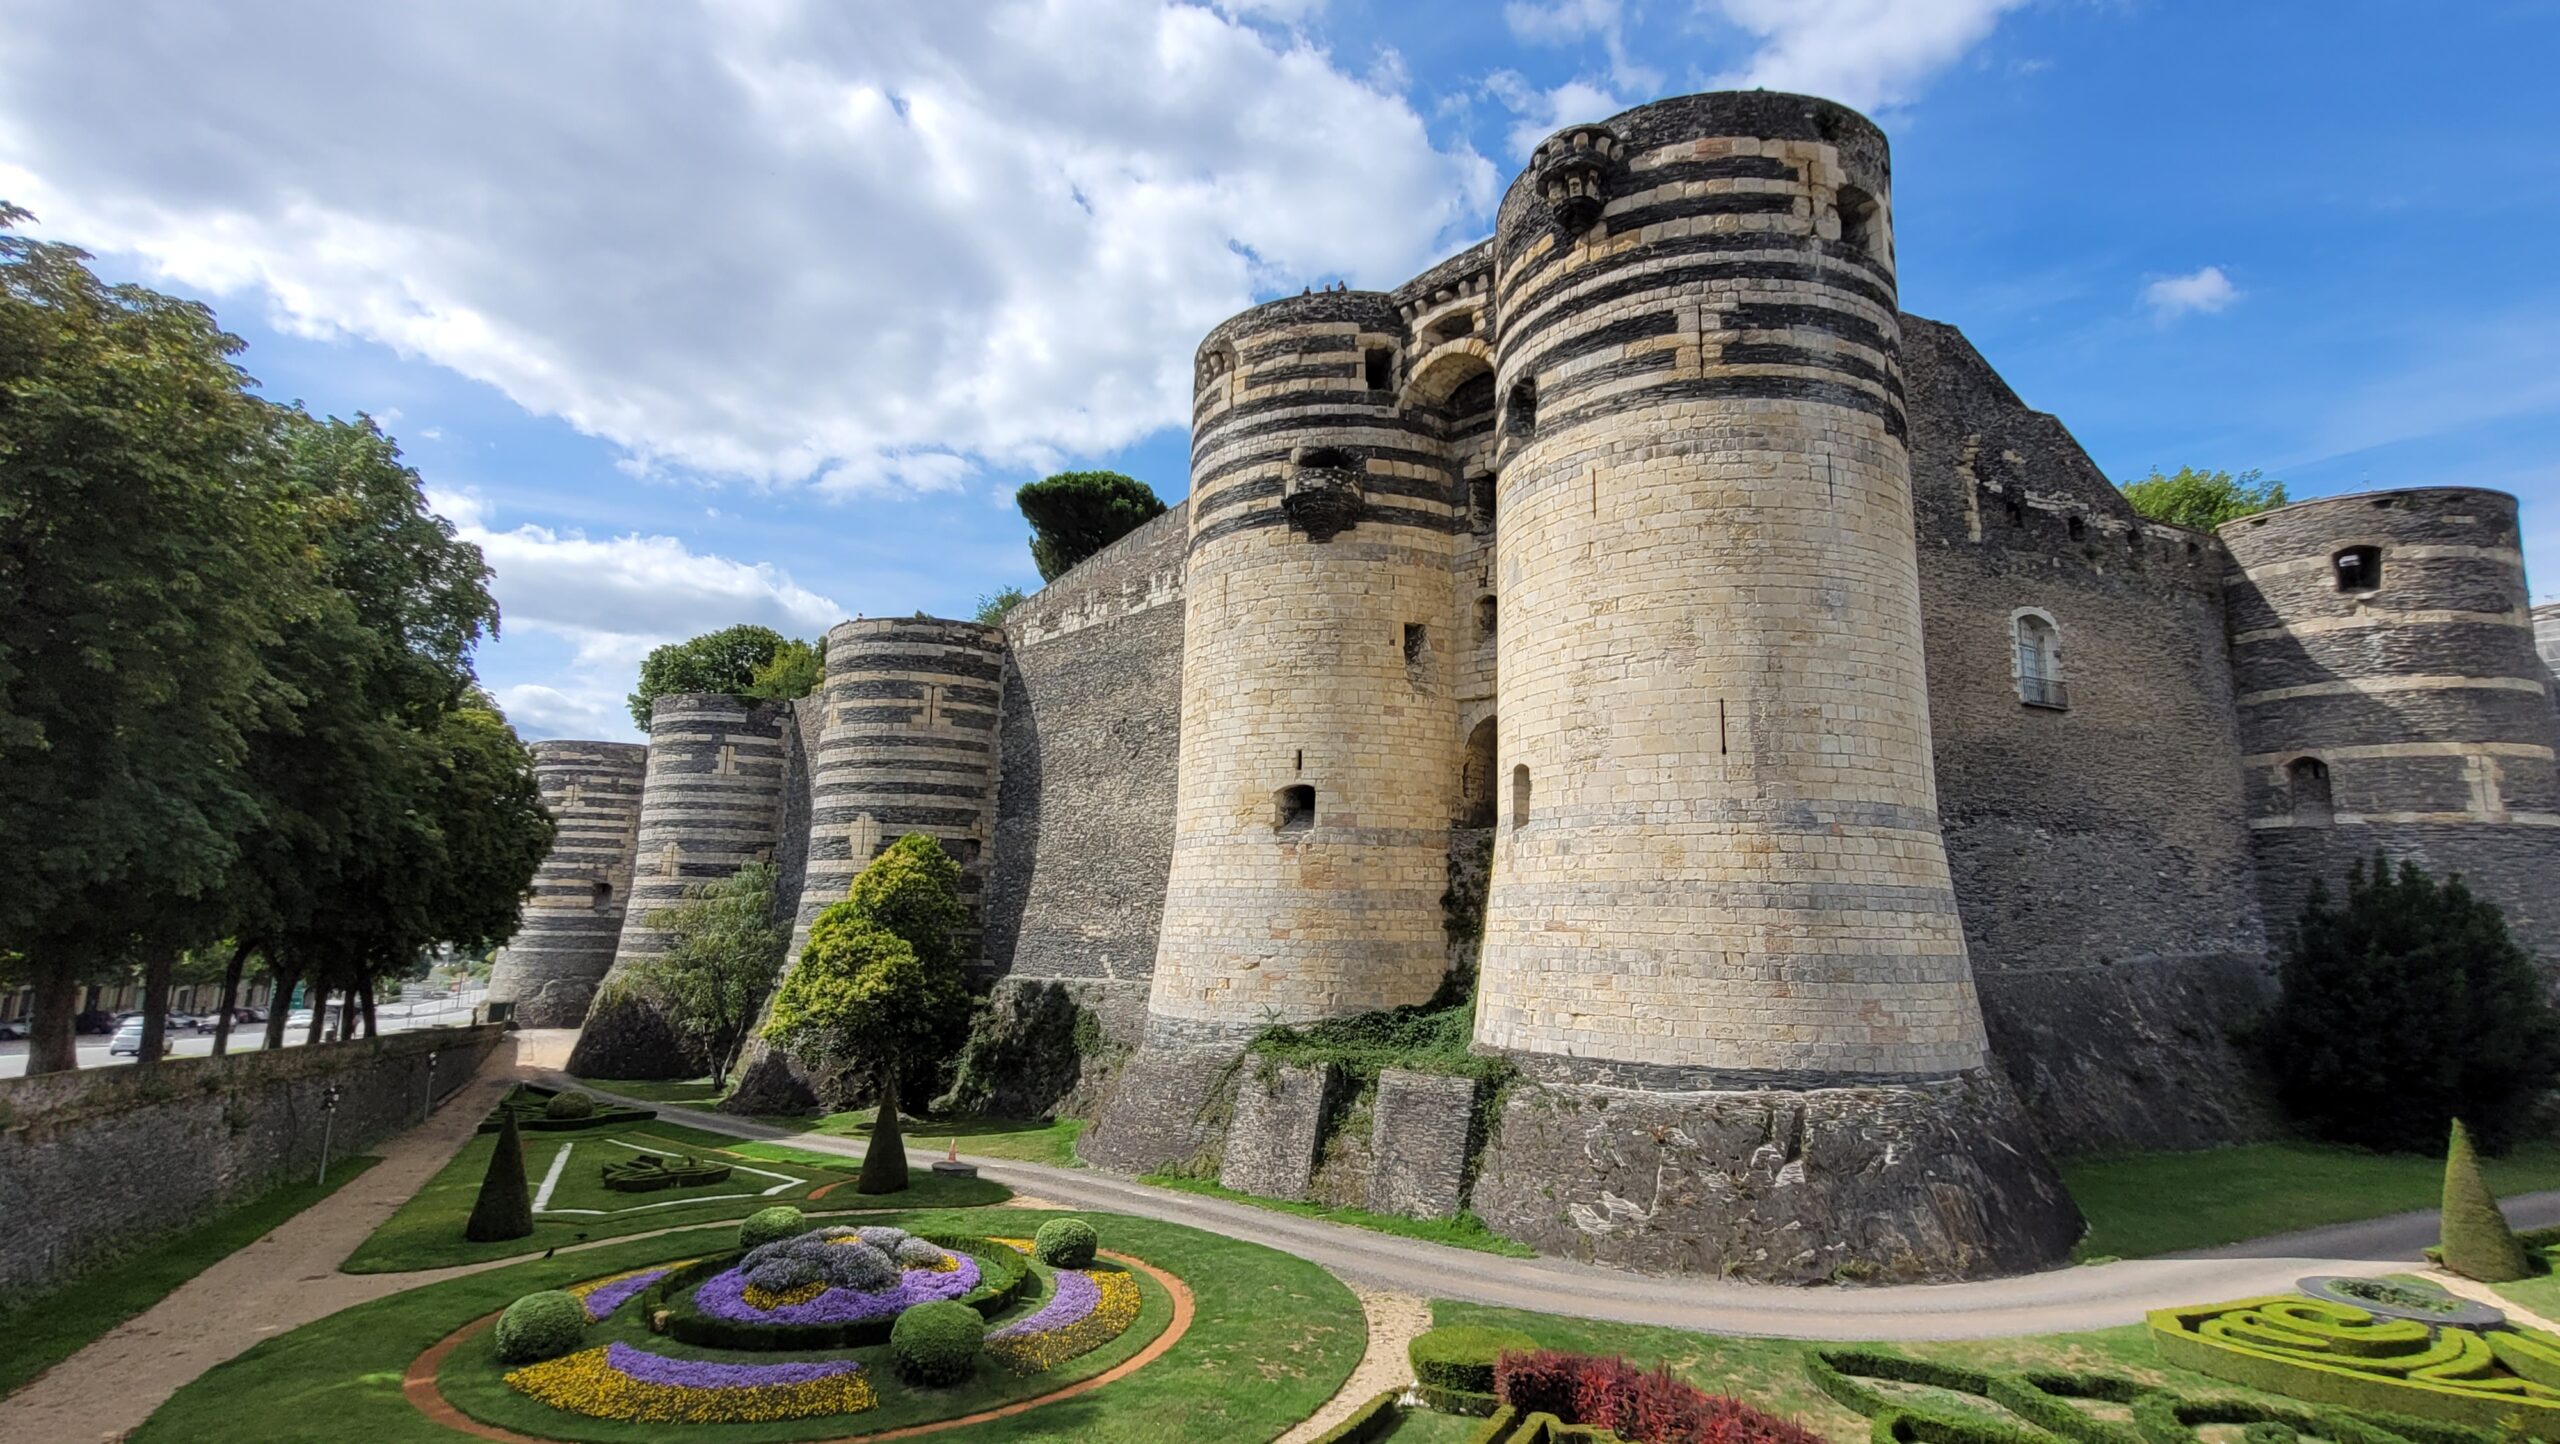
(2391, 697)
(712, 805)
(549, 970)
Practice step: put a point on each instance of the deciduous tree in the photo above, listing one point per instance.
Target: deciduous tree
(724, 947)
(2202, 500)
(723, 661)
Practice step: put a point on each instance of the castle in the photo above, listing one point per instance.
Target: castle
(1844, 802)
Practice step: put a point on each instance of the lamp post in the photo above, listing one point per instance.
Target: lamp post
(427, 1104)
(328, 1122)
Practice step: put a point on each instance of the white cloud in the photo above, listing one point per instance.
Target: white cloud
(612, 600)
(2206, 290)
(1540, 113)
(877, 245)
(1568, 22)
(1871, 54)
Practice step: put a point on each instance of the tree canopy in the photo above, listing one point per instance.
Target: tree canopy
(743, 661)
(724, 946)
(1077, 513)
(2202, 500)
(2406, 1007)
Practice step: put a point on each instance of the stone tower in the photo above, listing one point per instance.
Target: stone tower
(550, 968)
(2391, 697)
(712, 805)
(1720, 930)
(2546, 632)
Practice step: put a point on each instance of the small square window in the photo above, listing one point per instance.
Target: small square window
(2359, 569)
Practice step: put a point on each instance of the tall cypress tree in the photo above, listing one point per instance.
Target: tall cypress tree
(505, 1208)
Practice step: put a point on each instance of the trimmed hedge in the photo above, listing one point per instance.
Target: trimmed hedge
(1497, 1426)
(1461, 1357)
(1065, 1243)
(1464, 1402)
(2477, 1242)
(572, 1104)
(937, 1343)
(2456, 1394)
(649, 1173)
(770, 1225)
(1002, 1277)
(1372, 1421)
(531, 1105)
(541, 1326)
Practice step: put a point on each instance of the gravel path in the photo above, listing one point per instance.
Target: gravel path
(1394, 1318)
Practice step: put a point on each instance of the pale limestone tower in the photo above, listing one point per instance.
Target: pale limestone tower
(1721, 931)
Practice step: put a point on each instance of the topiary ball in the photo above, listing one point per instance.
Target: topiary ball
(771, 1225)
(936, 1343)
(541, 1326)
(572, 1104)
(1065, 1243)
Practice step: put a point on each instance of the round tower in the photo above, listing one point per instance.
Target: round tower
(711, 806)
(2546, 632)
(2391, 698)
(1721, 927)
(1318, 737)
(549, 970)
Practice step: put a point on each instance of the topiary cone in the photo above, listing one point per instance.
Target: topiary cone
(884, 1162)
(504, 1208)
(2477, 1242)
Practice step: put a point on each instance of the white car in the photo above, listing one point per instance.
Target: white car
(128, 1039)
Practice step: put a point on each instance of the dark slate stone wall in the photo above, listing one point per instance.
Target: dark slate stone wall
(2101, 853)
(1083, 832)
(550, 968)
(102, 1160)
(2424, 698)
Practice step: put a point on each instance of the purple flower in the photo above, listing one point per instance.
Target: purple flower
(1076, 1296)
(650, 1368)
(722, 1296)
(604, 1298)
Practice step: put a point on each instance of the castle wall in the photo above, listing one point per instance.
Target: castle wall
(712, 804)
(2421, 700)
(1318, 749)
(1083, 832)
(549, 970)
(2100, 849)
(2546, 633)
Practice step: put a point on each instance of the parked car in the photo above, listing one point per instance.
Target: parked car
(177, 1020)
(9, 1031)
(96, 1020)
(247, 1015)
(128, 1039)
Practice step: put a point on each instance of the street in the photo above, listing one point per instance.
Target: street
(245, 1037)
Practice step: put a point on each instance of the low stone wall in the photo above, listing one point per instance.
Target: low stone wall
(101, 1160)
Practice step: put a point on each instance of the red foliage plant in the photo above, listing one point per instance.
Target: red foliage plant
(1650, 1408)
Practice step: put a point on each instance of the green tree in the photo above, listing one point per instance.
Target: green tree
(858, 999)
(724, 947)
(723, 661)
(2202, 500)
(147, 558)
(2404, 1008)
(794, 670)
(1077, 513)
(993, 606)
(2478, 1244)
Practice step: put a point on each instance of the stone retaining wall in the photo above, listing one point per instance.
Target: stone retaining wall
(100, 1161)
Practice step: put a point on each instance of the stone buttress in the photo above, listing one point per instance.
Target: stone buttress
(549, 970)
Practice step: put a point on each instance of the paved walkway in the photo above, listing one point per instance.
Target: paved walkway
(281, 1282)
(2061, 1301)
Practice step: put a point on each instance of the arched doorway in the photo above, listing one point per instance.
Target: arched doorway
(1477, 801)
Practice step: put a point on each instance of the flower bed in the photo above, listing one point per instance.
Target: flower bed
(603, 1296)
(725, 1296)
(621, 1382)
(1089, 1308)
(708, 1304)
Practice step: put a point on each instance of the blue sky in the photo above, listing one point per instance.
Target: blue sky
(693, 314)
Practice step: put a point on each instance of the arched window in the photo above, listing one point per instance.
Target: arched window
(1520, 795)
(2039, 660)
(1476, 801)
(2307, 781)
(2359, 569)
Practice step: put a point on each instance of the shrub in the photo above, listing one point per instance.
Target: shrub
(2404, 1007)
(2477, 1242)
(936, 1343)
(771, 1225)
(1462, 1356)
(1648, 1408)
(1065, 1243)
(504, 1208)
(572, 1104)
(1373, 1420)
(541, 1326)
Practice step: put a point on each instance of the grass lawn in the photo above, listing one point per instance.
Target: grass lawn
(1464, 1231)
(427, 1231)
(1769, 1373)
(682, 1092)
(1422, 1426)
(45, 1330)
(2143, 1204)
(1053, 1143)
(1274, 1338)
